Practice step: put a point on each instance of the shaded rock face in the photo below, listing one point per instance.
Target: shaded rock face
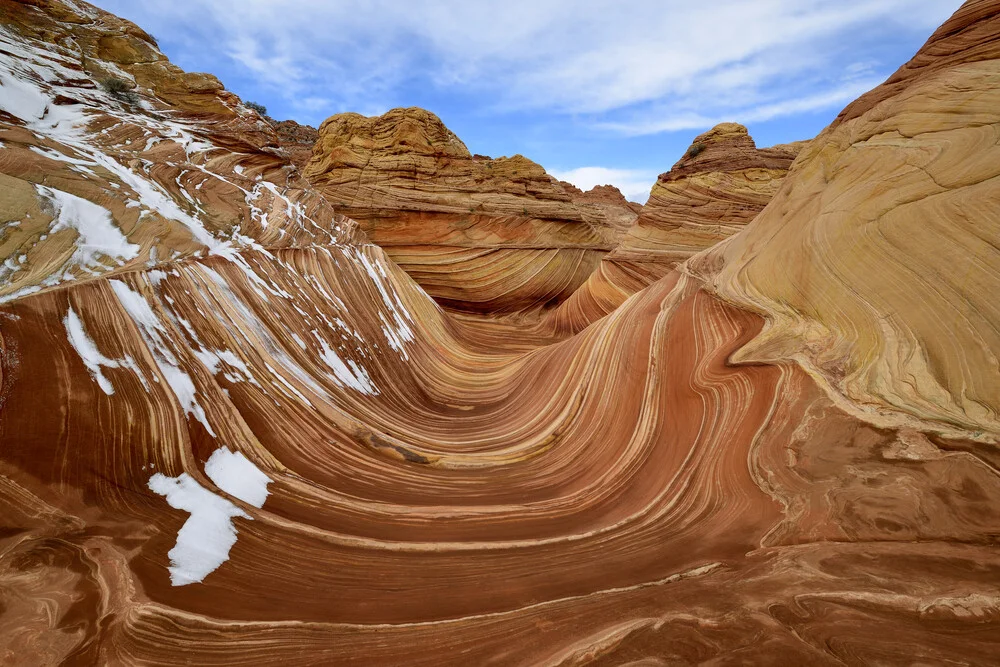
(267, 444)
(720, 184)
(296, 140)
(479, 234)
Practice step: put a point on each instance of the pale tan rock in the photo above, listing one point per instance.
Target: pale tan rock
(720, 184)
(877, 262)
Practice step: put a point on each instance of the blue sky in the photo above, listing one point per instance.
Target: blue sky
(595, 91)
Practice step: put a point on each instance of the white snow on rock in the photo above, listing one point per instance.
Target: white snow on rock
(358, 379)
(29, 81)
(238, 476)
(92, 357)
(153, 331)
(398, 331)
(97, 234)
(87, 349)
(246, 325)
(204, 541)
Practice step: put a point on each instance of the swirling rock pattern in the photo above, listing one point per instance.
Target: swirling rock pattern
(95, 184)
(720, 184)
(478, 234)
(891, 214)
(375, 480)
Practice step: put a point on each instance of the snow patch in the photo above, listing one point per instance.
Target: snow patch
(92, 357)
(358, 379)
(97, 234)
(237, 476)
(87, 349)
(204, 541)
(152, 331)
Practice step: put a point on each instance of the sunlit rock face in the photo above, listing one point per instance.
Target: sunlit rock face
(267, 444)
(95, 183)
(877, 262)
(720, 184)
(478, 234)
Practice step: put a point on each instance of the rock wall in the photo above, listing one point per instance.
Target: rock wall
(479, 234)
(720, 184)
(876, 262)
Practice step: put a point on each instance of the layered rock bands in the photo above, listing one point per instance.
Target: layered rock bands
(234, 430)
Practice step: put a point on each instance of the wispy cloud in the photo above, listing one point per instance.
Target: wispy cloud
(688, 62)
(653, 123)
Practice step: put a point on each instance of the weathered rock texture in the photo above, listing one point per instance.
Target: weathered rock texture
(267, 444)
(478, 234)
(720, 184)
(876, 265)
(95, 184)
(296, 140)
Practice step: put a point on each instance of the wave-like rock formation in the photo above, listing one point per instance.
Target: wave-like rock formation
(265, 443)
(720, 184)
(480, 235)
(892, 220)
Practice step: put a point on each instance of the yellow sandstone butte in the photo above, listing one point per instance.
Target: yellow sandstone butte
(479, 234)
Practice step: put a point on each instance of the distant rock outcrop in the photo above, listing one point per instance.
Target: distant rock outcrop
(720, 184)
(479, 234)
(296, 140)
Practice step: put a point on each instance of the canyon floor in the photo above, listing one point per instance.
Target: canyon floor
(354, 395)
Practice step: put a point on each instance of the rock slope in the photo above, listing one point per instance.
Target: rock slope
(272, 446)
(479, 234)
(891, 217)
(720, 184)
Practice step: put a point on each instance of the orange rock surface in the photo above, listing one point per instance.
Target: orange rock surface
(478, 234)
(266, 444)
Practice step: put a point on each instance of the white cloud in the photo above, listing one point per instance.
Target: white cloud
(624, 65)
(635, 184)
(665, 122)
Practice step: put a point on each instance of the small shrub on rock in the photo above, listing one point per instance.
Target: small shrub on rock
(695, 150)
(119, 89)
(259, 108)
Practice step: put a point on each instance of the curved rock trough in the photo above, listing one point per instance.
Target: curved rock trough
(234, 430)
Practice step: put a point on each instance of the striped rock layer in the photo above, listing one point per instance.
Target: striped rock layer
(720, 184)
(267, 444)
(480, 235)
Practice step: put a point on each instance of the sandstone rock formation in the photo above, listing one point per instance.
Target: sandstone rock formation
(891, 216)
(265, 444)
(297, 141)
(95, 184)
(720, 184)
(479, 234)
